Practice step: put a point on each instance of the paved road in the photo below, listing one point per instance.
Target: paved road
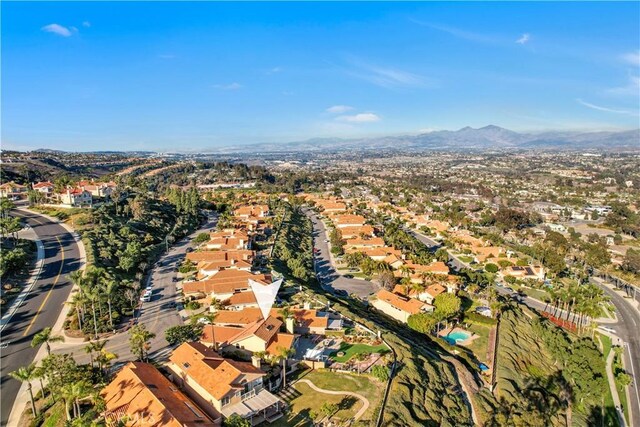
(41, 307)
(329, 277)
(158, 314)
(433, 245)
(627, 328)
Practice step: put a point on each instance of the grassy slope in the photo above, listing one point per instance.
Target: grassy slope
(421, 392)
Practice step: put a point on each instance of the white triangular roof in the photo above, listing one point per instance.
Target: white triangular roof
(265, 295)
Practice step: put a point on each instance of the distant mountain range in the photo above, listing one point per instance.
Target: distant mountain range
(485, 138)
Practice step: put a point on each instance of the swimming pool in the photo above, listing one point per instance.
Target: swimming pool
(456, 336)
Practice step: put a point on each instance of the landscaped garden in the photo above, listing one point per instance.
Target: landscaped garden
(307, 404)
(348, 350)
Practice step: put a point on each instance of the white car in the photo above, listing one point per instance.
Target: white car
(145, 298)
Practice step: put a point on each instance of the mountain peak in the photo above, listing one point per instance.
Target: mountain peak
(492, 127)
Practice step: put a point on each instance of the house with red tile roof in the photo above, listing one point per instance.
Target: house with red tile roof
(13, 190)
(224, 284)
(352, 232)
(400, 307)
(260, 336)
(75, 196)
(210, 256)
(225, 386)
(44, 187)
(140, 395)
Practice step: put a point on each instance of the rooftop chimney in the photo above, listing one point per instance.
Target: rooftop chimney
(289, 322)
(256, 361)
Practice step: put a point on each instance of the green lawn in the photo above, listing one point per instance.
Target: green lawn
(55, 416)
(351, 350)
(308, 400)
(479, 345)
(606, 345)
(465, 258)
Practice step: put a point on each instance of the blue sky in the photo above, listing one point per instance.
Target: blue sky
(190, 76)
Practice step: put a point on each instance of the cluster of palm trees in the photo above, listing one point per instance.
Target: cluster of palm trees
(61, 379)
(368, 265)
(96, 288)
(576, 303)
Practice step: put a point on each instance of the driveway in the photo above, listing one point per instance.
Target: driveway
(329, 277)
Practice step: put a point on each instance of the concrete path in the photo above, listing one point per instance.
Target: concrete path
(362, 410)
(614, 391)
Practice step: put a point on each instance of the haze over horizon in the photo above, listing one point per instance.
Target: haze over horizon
(196, 76)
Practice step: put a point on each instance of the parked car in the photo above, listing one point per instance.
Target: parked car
(145, 298)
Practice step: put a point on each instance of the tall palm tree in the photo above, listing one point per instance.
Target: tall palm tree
(104, 359)
(45, 337)
(25, 374)
(110, 287)
(284, 354)
(39, 374)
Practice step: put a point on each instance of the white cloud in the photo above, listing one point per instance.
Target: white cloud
(339, 109)
(457, 32)
(605, 109)
(632, 58)
(86, 24)
(387, 77)
(359, 118)
(524, 39)
(275, 70)
(230, 86)
(57, 29)
(632, 88)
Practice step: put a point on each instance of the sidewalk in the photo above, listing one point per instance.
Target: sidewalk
(27, 234)
(612, 386)
(634, 303)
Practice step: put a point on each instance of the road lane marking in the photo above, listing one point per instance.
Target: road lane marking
(46, 298)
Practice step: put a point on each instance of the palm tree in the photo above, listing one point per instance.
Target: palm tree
(95, 346)
(45, 337)
(109, 289)
(284, 354)
(211, 317)
(104, 359)
(25, 374)
(39, 373)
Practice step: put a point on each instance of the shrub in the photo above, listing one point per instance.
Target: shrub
(193, 305)
(380, 372)
(491, 268)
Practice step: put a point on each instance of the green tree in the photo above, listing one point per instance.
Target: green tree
(139, 341)
(46, 337)
(491, 268)
(25, 374)
(236, 420)
(447, 305)
(381, 373)
(179, 334)
(422, 322)
(201, 238)
(284, 354)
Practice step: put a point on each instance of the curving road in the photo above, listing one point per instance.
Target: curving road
(328, 275)
(627, 328)
(157, 315)
(41, 307)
